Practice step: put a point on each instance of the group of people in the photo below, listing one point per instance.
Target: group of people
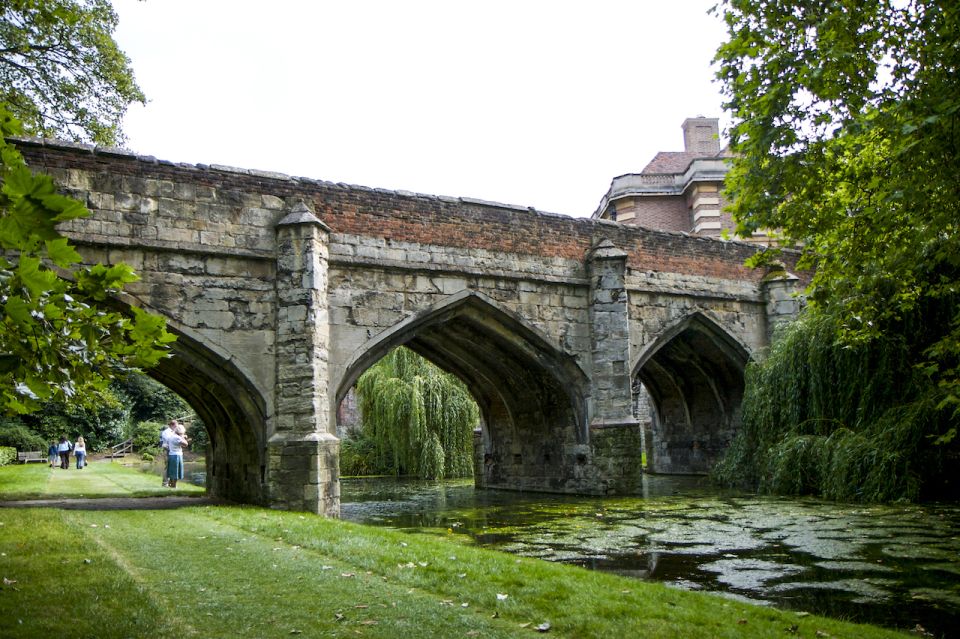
(59, 453)
(172, 440)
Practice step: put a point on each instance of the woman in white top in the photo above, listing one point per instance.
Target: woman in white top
(63, 449)
(175, 443)
(80, 451)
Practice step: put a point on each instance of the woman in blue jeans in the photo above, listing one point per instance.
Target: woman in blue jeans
(80, 451)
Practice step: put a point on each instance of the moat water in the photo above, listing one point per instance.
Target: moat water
(892, 565)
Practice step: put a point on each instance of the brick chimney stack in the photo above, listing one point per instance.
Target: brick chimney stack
(701, 136)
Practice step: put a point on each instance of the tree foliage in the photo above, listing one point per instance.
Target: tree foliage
(847, 141)
(420, 419)
(101, 424)
(16, 434)
(149, 400)
(848, 422)
(59, 338)
(61, 71)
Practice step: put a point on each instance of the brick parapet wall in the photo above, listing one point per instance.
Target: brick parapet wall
(193, 207)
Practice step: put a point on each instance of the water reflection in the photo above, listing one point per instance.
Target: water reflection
(894, 565)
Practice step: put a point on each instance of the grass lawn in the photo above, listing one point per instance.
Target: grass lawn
(101, 478)
(228, 571)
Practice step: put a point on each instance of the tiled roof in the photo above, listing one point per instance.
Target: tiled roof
(677, 161)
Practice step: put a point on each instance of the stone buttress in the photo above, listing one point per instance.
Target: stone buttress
(615, 438)
(303, 454)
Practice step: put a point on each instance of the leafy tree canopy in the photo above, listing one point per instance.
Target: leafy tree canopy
(847, 137)
(101, 425)
(59, 338)
(149, 400)
(61, 71)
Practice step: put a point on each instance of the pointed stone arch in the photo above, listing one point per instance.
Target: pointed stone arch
(532, 396)
(693, 373)
(224, 396)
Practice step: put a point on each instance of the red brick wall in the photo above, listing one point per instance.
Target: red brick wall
(425, 219)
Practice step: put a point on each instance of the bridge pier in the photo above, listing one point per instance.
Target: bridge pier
(302, 454)
(615, 438)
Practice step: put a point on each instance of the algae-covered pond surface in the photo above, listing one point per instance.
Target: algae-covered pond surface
(893, 565)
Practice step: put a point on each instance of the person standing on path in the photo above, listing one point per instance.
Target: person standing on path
(53, 454)
(165, 434)
(63, 449)
(80, 450)
(175, 444)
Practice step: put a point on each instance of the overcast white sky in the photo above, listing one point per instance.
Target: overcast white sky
(525, 102)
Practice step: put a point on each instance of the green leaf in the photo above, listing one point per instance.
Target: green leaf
(61, 253)
(37, 279)
(18, 311)
(66, 208)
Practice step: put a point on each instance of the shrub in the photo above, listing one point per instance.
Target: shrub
(8, 455)
(358, 456)
(18, 436)
(146, 437)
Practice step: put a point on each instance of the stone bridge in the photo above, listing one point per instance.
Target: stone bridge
(283, 290)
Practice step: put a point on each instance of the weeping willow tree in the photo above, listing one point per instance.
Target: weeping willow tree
(851, 422)
(419, 419)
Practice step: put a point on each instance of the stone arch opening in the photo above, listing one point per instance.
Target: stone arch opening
(694, 377)
(231, 408)
(223, 396)
(532, 397)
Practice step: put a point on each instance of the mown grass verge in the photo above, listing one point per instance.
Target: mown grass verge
(219, 571)
(98, 479)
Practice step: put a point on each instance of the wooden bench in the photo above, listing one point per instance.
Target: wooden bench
(31, 455)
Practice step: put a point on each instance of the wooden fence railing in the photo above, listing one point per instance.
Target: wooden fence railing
(121, 449)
